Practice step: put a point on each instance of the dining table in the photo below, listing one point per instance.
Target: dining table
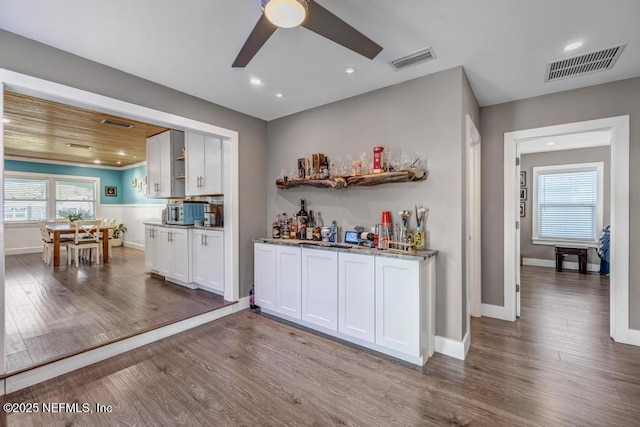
(59, 229)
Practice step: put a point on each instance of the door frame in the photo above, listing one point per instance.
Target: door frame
(619, 267)
(473, 222)
(25, 84)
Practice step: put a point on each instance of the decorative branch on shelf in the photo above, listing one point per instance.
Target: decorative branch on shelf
(339, 182)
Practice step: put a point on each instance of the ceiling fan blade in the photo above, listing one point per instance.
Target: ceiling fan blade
(325, 23)
(258, 37)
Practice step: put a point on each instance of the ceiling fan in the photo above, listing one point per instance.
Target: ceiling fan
(312, 16)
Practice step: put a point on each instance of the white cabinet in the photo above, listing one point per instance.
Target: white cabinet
(151, 257)
(173, 252)
(264, 267)
(397, 284)
(356, 296)
(288, 281)
(203, 165)
(320, 288)
(207, 262)
(165, 167)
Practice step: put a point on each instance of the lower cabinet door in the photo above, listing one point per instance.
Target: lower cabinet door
(264, 273)
(180, 249)
(398, 305)
(165, 252)
(150, 247)
(356, 296)
(288, 277)
(199, 259)
(320, 288)
(214, 244)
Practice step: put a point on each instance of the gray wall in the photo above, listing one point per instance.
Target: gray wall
(29, 57)
(422, 117)
(595, 102)
(552, 158)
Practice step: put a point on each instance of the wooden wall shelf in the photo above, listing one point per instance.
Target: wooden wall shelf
(339, 182)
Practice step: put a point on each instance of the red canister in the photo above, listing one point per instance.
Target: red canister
(377, 159)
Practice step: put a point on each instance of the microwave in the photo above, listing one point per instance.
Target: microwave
(185, 213)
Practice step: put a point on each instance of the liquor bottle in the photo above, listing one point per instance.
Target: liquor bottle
(303, 218)
(317, 227)
(310, 225)
(275, 228)
(286, 226)
(293, 230)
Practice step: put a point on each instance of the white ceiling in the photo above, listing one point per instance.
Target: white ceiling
(190, 45)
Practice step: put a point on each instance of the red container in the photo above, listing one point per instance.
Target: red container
(386, 217)
(377, 159)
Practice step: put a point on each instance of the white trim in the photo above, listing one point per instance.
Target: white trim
(51, 370)
(22, 83)
(243, 304)
(598, 167)
(573, 244)
(132, 245)
(536, 262)
(473, 287)
(633, 337)
(496, 312)
(80, 165)
(453, 348)
(619, 251)
(25, 250)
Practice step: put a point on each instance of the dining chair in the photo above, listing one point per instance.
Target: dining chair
(47, 242)
(109, 223)
(86, 237)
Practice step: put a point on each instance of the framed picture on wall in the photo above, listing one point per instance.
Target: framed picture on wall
(523, 194)
(110, 191)
(523, 179)
(522, 209)
(134, 182)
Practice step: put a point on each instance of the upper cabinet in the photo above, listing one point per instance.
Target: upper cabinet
(203, 165)
(165, 165)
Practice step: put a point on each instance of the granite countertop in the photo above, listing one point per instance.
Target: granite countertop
(419, 255)
(160, 224)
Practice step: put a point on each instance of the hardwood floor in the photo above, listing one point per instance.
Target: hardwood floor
(57, 311)
(554, 366)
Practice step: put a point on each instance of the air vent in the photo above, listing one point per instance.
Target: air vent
(86, 147)
(114, 123)
(591, 62)
(415, 58)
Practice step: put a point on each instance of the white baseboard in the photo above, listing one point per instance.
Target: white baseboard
(51, 370)
(132, 245)
(243, 304)
(629, 336)
(552, 263)
(20, 251)
(496, 312)
(453, 348)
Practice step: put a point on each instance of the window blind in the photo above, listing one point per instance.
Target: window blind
(75, 197)
(25, 199)
(567, 205)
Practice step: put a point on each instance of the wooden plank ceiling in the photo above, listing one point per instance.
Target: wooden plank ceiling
(41, 129)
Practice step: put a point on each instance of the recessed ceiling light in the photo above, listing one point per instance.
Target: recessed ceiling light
(349, 70)
(572, 46)
(97, 162)
(121, 153)
(255, 81)
(6, 121)
(135, 157)
(279, 95)
(119, 163)
(550, 143)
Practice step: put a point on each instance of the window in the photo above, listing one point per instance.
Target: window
(34, 197)
(567, 204)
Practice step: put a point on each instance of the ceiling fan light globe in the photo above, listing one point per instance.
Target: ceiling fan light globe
(286, 13)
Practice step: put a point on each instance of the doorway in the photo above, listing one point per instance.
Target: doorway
(619, 282)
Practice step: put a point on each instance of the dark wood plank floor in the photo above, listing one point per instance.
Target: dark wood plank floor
(555, 366)
(56, 311)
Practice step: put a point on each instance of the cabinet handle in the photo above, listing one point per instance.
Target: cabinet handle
(205, 239)
(202, 240)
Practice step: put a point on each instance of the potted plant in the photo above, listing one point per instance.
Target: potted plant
(117, 234)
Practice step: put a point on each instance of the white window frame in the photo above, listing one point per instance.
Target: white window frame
(51, 199)
(575, 167)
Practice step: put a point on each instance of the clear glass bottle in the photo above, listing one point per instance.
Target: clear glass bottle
(275, 228)
(286, 226)
(317, 227)
(310, 226)
(293, 230)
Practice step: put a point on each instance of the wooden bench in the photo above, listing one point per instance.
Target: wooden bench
(582, 253)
